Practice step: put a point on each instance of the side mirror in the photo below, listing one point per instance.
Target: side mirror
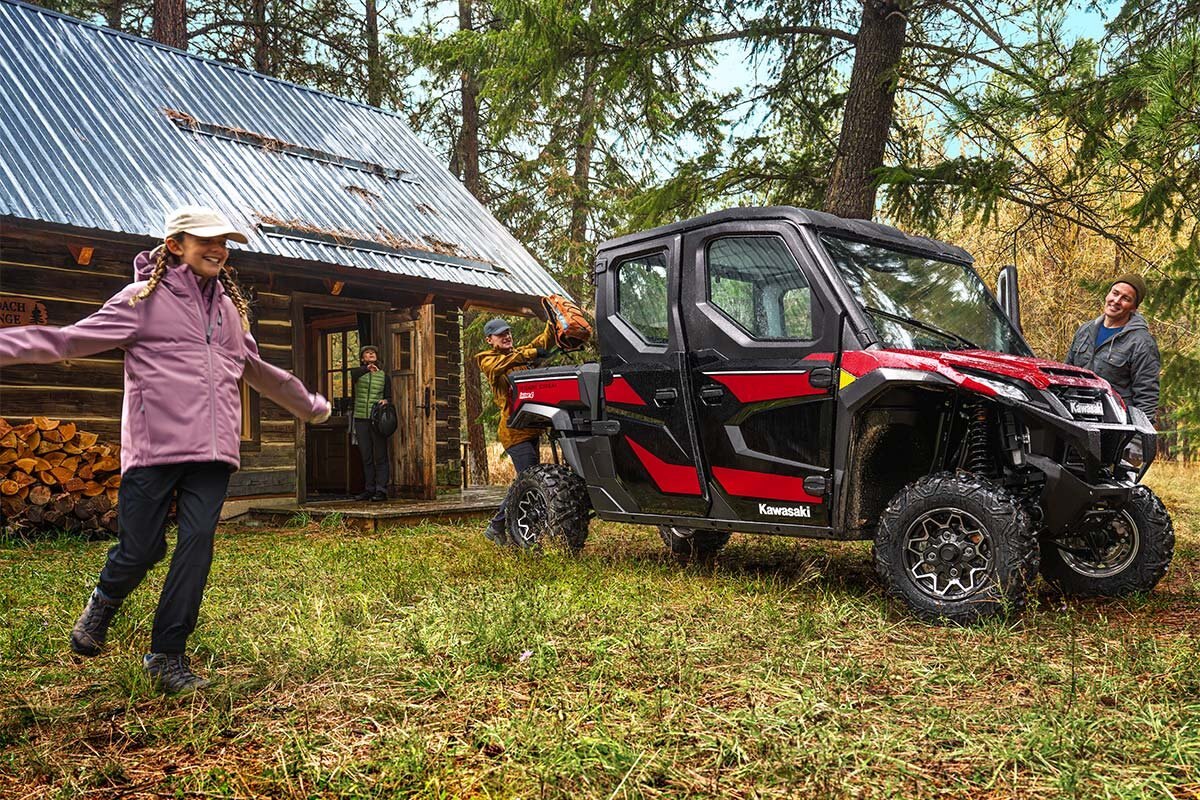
(1009, 295)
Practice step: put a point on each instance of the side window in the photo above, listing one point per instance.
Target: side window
(757, 283)
(642, 296)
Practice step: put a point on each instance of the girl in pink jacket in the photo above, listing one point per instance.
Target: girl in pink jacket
(184, 326)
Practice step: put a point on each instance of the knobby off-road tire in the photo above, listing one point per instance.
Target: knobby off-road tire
(687, 544)
(1142, 542)
(548, 505)
(955, 547)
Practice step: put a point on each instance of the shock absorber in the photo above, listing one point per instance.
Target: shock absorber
(978, 455)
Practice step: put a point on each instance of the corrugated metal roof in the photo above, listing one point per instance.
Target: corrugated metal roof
(101, 130)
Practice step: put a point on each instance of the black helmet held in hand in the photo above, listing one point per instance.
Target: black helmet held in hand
(383, 419)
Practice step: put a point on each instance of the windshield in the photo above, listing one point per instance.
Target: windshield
(918, 303)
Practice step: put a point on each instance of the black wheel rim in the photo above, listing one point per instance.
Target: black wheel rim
(1112, 559)
(530, 518)
(948, 554)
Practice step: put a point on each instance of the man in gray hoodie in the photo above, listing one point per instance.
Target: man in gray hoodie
(1118, 346)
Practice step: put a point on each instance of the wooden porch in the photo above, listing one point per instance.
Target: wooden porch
(471, 503)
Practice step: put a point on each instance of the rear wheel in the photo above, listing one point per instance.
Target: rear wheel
(548, 504)
(688, 544)
(1131, 554)
(955, 547)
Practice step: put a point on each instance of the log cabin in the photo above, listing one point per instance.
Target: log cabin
(358, 234)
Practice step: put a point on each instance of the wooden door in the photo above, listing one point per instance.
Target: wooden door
(414, 445)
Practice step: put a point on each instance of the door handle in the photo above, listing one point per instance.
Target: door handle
(820, 378)
(712, 395)
(665, 397)
(708, 356)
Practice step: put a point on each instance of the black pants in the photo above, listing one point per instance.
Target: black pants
(142, 505)
(524, 455)
(373, 449)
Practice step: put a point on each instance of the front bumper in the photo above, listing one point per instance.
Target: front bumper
(1067, 500)
(1095, 483)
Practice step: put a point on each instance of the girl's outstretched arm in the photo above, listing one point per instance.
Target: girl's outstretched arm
(282, 387)
(114, 325)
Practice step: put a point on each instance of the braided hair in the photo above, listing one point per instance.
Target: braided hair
(160, 269)
(226, 277)
(235, 294)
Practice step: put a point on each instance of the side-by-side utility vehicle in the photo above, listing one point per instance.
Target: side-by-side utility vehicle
(783, 371)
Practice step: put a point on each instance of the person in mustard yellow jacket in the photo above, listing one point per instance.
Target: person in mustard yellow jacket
(496, 364)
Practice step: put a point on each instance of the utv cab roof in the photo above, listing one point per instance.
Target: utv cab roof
(858, 229)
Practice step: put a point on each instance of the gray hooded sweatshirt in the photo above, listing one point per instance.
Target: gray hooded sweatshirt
(1128, 360)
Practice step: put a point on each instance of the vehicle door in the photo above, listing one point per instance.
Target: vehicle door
(645, 383)
(761, 330)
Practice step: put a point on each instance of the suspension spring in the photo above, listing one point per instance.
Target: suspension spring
(979, 457)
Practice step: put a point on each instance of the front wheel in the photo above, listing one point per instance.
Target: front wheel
(1130, 554)
(955, 547)
(688, 544)
(548, 504)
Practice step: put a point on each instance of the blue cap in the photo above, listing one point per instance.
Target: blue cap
(495, 326)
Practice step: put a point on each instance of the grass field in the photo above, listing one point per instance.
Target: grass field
(425, 662)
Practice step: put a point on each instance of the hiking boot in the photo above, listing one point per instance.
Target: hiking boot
(495, 534)
(379, 497)
(363, 496)
(172, 672)
(91, 629)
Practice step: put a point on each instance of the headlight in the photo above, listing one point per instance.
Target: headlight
(1118, 408)
(1001, 388)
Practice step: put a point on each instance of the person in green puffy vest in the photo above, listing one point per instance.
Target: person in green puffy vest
(371, 388)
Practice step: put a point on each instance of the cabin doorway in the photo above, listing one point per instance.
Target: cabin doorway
(333, 338)
(328, 333)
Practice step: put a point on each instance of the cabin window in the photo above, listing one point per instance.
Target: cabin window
(339, 355)
(247, 415)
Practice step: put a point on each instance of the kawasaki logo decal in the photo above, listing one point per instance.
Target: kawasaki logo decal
(785, 511)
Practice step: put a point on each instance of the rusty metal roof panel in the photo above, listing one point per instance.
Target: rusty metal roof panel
(101, 130)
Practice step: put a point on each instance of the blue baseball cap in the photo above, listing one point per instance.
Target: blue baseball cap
(495, 326)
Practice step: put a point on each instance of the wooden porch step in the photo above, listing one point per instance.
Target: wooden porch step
(465, 504)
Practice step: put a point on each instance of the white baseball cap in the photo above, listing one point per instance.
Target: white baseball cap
(201, 221)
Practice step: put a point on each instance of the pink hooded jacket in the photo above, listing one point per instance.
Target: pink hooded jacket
(182, 365)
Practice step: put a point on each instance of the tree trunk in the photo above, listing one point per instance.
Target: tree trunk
(467, 146)
(466, 166)
(477, 457)
(112, 13)
(867, 120)
(262, 37)
(581, 198)
(374, 65)
(170, 23)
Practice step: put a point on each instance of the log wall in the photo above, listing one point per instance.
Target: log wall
(89, 391)
(40, 265)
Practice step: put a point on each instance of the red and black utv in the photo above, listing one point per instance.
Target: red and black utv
(783, 371)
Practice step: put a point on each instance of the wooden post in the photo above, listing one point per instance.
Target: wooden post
(300, 370)
(427, 335)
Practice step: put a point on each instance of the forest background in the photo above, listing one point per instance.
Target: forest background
(1010, 128)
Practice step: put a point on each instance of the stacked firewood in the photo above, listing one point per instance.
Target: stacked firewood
(54, 476)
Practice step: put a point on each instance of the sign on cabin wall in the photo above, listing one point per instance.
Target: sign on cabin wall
(21, 311)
